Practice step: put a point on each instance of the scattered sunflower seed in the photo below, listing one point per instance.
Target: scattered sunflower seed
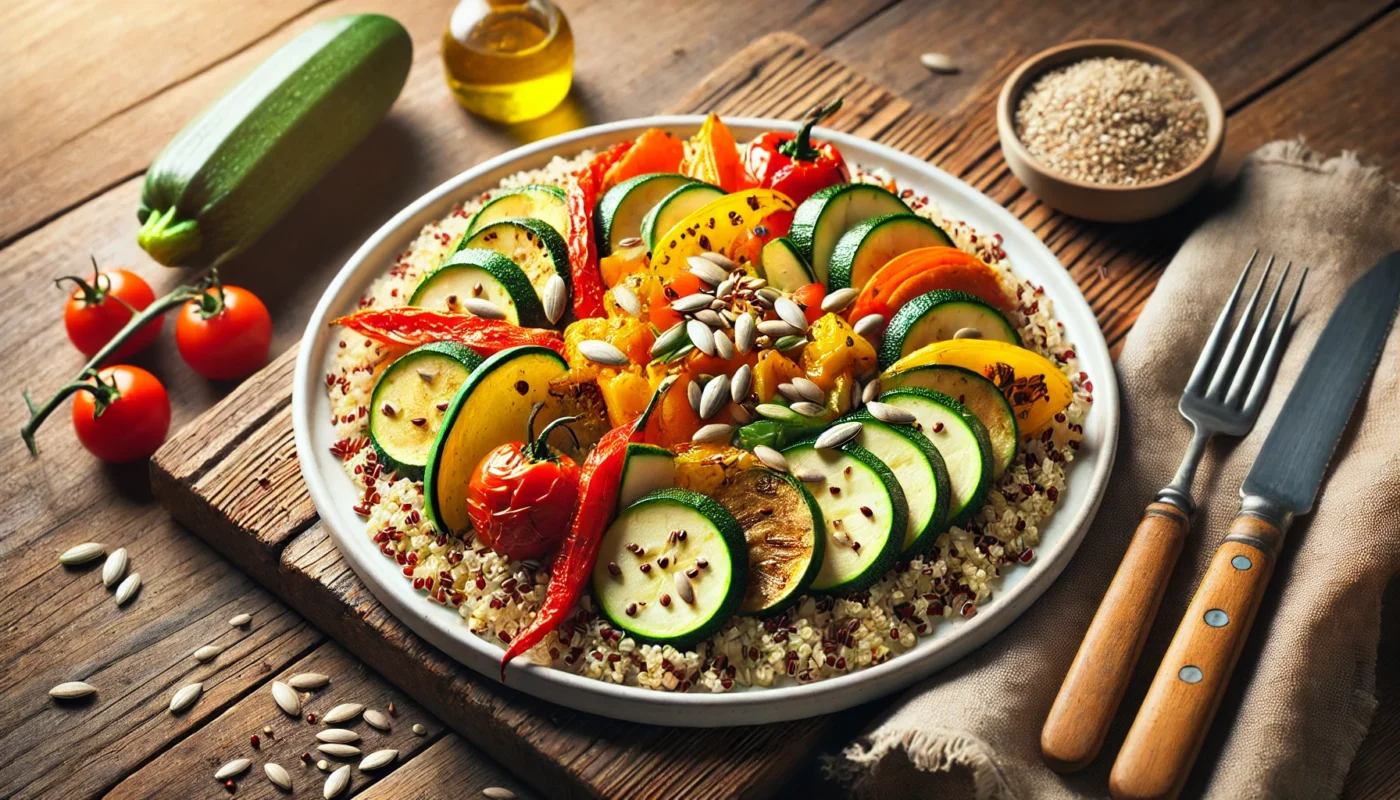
(286, 698)
(837, 435)
(693, 392)
(723, 347)
(679, 353)
(338, 750)
(668, 340)
(967, 333)
(377, 719)
(870, 325)
(498, 793)
(842, 538)
(683, 587)
(741, 383)
(740, 415)
(602, 352)
(771, 458)
(789, 342)
(72, 690)
(483, 308)
(871, 390)
(240, 620)
(856, 400)
(336, 783)
(754, 284)
(419, 729)
(720, 259)
(791, 313)
(630, 241)
(81, 554)
(839, 299)
(941, 63)
(700, 336)
(714, 432)
(810, 476)
(810, 392)
(556, 298)
(777, 327)
(692, 303)
(807, 409)
(711, 318)
(342, 713)
(185, 697)
(775, 411)
(714, 396)
(707, 270)
(744, 331)
(235, 767)
(208, 652)
(885, 412)
(626, 300)
(278, 775)
(115, 567)
(337, 736)
(307, 681)
(379, 759)
(128, 588)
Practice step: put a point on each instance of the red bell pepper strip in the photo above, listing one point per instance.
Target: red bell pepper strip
(569, 574)
(414, 326)
(795, 165)
(582, 197)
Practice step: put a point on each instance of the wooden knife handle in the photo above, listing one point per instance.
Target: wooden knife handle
(1098, 677)
(1167, 734)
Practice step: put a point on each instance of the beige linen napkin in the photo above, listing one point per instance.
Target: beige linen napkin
(1303, 694)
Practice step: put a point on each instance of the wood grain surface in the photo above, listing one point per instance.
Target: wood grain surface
(91, 95)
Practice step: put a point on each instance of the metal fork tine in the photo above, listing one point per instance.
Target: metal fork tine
(1201, 372)
(1232, 350)
(1244, 376)
(1274, 354)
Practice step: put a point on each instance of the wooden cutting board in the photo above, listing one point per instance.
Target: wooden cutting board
(232, 477)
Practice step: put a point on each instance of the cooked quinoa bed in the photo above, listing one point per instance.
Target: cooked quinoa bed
(824, 636)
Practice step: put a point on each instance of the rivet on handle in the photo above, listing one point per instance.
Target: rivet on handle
(1191, 674)
(1217, 618)
(1241, 563)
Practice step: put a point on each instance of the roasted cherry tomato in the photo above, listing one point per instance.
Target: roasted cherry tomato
(98, 309)
(794, 164)
(224, 335)
(810, 297)
(124, 417)
(521, 496)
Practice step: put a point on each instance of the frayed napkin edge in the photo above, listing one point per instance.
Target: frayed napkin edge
(929, 751)
(1296, 153)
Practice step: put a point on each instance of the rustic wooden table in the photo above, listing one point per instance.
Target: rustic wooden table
(91, 94)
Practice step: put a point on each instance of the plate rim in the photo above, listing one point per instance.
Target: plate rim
(754, 706)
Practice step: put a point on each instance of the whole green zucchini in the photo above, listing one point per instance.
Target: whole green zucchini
(225, 179)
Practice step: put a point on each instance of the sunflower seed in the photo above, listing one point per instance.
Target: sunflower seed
(342, 713)
(630, 241)
(208, 652)
(419, 729)
(336, 783)
(286, 698)
(842, 538)
(240, 620)
(719, 259)
(707, 270)
(776, 412)
(338, 750)
(306, 681)
(740, 384)
(777, 327)
(771, 458)
(679, 353)
(810, 476)
(726, 287)
(714, 432)
(744, 331)
(556, 298)
(837, 435)
(497, 793)
(714, 396)
(710, 317)
(768, 294)
(128, 588)
(683, 587)
(701, 336)
(870, 325)
(809, 390)
(376, 719)
(789, 342)
(740, 415)
(839, 299)
(807, 409)
(115, 567)
(692, 303)
(885, 412)
(856, 400)
(185, 697)
(337, 736)
(323, 765)
(72, 690)
(379, 759)
(235, 767)
(791, 313)
(693, 392)
(627, 300)
(668, 340)
(723, 347)
(483, 308)
(81, 554)
(278, 776)
(602, 352)
(871, 390)
(941, 63)
(967, 333)
(754, 284)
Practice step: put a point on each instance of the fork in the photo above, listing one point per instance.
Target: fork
(1222, 397)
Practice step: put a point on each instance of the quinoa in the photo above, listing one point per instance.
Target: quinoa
(820, 637)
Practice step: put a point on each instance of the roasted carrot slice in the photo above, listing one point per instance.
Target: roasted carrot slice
(654, 151)
(932, 268)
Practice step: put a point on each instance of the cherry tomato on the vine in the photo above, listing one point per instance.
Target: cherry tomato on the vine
(135, 420)
(224, 339)
(98, 309)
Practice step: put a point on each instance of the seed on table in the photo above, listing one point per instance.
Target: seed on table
(714, 432)
(741, 383)
(267, 729)
(307, 681)
(72, 690)
(692, 303)
(791, 313)
(343, 713)
(114, 568)
(603, 352)
(777, 327)
(81, 554)
(419, 729)
(337, 736)
(837, 435)
(278, 775)
(239, 620)
(626, 300)
(128, 588)
(771, 458)
(337, 750)
(376, 719)
(556, 299)
(323, 765)
(719, 259)
(700, 336)
(807, 409)
(745, 330)
(871, 390)
(870, 325)
(723, 347)
(235, 767)
(668, 340)
(336, 783)
(286, 698)
(483, 308)
(967, 333)
(941, 63)
(208, 652)
(714, 396)
(185, 697)
(839, 299)
(885, 412)
(379, 759)
(774, 411)
(707, 270)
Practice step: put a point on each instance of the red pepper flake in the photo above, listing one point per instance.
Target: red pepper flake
(311, 718)
(253, 740)
(1026, 556)
(306, 757)
(230, 786)
(937, 427)
(503, 636)
(835, 490)
(1053, 494)
(646, 567)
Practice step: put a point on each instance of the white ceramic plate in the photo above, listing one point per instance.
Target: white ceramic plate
(334, 494)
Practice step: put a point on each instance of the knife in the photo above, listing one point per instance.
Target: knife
(1167, 734)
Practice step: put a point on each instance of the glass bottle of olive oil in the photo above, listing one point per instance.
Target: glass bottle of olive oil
(508, 60)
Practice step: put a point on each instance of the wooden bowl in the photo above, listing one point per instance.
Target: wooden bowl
(1097, 201)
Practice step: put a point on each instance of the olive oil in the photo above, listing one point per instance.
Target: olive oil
(508, 60)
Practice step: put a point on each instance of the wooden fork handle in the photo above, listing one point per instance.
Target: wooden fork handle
(1166, 736)
(1098, 677)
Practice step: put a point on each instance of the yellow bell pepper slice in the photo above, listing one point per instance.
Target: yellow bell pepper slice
(714, 226)
(712, 156)
(1034, 385)
(835, 350)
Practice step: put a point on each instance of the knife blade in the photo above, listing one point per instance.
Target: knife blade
(1290, 466)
